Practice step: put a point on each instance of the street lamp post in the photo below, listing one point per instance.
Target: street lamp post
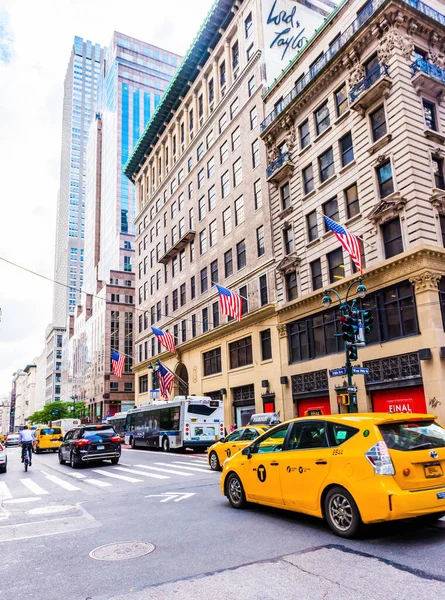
(356, 329)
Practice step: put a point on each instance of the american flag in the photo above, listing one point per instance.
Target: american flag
(166, 339)
(348, 240)
(117, 363)
(166, 380)
(231, 303)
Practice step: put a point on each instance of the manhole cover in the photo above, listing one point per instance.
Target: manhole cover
(51, 510)
(122, 551)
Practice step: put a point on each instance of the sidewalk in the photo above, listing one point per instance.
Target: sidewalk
(331, 573)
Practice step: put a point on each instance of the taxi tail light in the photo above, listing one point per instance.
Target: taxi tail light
(380, 459)
(82, 442)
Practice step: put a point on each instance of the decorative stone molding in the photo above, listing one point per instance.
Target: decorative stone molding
(356, 74)
(388, 208)
(282, 330)
(426, 281)
(392, 40)
(288, 264)
(438, 200)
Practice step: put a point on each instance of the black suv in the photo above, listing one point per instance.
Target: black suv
(90, 443)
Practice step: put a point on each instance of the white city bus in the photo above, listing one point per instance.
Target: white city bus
(184, 422)
(118, 421)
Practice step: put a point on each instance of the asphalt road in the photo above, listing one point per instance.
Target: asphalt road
(53, 517)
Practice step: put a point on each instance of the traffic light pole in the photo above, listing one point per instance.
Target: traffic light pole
(352, 407)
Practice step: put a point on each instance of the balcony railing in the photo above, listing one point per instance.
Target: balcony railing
(420, 64)
(277, 163)
(367, 12)
(177, 245)
(365, 83)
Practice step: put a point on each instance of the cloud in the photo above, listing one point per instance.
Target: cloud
(34, 57)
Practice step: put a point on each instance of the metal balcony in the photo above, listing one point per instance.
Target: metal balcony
(280, 168)
(179, 245)
(427, 77)
(375, 85)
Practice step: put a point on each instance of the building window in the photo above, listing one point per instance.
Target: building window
(316, 276)
(291, 286)
(165, 308)
(212, 233)
(243, 294)
(192, 251)
(181, 294)
(203, 241)
(235, 56)
(352, 203)
(378, 123)
(266, 345)
(237, 172)
(128, 386)
(193, 326)
(212, 362)
(322, 121)
(392, 237)
(222, 123)
(209, 139)
(236, 139)
(429, 114)
(241, 254)
(143, 384)
(264, 296)
(225, 184)
(227, 220)
(255, 154)
(308, 179)
(248, 25)
(240, 353)
(341, 101)
(190, 164)
(305, 136)
(346, 149)
(204, 280)
(438, 172)
(326, 165)
(249, 52)
(192, 288)
(239, 210)
(158, 312)
(228, 263)
(212, 198)
(183, 330)
(257, 194)
(200, 105)
(260, 241)
(175, 300)
(211, 90)
(181, 268)
(224, 152)
(253, 118)
(214, 272)
(210, 167)
(336, 265)
(176, 333)
(312, 226)
(201, 178)
(330, 209)
(190, 190)
(288, 240)
(285, 196)
(201, 208)
(205, 320)
(251, 85)
(234, 108)
(215, 314)
(384, 177)
(222, 74)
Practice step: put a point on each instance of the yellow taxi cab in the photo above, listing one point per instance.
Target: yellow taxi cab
(239, 439)
(349, 469)
(47, 439)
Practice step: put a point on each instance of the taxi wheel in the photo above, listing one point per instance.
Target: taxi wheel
(214, 461)
(235, 491)
(341, 513)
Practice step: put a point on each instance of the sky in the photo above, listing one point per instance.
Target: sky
(35, 45)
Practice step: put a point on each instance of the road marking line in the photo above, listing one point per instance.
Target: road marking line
(5, 494)
(22, 500)
(154, 475)
(124, 464)
(115, 476)
(165, 470)
(77, 475)
(64, 484)
(34, 487)
(98, 482)
(182, 466)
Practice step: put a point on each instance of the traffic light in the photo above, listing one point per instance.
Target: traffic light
(352, 352)
(368, 321)
(343, 399)
(349, 326)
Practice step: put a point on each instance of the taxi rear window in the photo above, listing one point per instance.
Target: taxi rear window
(339, 434)
(50, 431)
(413, 435)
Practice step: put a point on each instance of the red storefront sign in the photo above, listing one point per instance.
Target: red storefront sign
(317, 406)
(401, 400)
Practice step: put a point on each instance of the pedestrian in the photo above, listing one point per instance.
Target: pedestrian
(232, 428)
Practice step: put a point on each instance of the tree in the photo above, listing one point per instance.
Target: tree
(58, 410)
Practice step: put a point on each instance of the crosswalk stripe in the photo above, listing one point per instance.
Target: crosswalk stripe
(98, 482)
(154, 475)
(115, 476)
(182, 466)
(64, 484)
(194, 465)
(78, 475)
(5, 494)
(34, 487)
(165, 470)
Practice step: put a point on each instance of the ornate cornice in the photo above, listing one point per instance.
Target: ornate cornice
(388, 208)
(426, 281)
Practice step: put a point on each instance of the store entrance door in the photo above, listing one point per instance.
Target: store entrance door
(400, 400)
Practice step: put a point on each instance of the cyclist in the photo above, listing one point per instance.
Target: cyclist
(26, 438)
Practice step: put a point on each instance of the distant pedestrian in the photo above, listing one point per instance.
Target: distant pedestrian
(232, 428)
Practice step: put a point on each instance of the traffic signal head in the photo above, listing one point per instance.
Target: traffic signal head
(349, 327)
(368, 321)
(343, 399)
(352, 353)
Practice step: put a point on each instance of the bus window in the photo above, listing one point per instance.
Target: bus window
(200, 409)
(169, 418)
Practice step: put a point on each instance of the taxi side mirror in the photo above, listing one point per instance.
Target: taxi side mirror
(60, 439)
(247, 452)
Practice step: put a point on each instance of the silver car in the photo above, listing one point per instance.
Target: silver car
(12, 439)
(3, 459)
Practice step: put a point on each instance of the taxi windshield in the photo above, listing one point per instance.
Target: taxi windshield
(413, 435)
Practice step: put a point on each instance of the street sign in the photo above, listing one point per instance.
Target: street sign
(175, 496)
(352, 389)
(337, 372)
(360, 371)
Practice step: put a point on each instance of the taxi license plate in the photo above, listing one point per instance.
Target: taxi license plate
(432, 471)
(100, 447)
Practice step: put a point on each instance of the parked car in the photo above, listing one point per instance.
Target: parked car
(3, 459)
(90, 443)
(12, 439)
(349, 469)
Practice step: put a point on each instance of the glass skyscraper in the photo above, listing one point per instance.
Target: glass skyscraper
(80, 95)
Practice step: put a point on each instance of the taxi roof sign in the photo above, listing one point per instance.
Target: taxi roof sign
(264, 419)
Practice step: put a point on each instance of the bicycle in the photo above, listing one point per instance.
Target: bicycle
(27, 449)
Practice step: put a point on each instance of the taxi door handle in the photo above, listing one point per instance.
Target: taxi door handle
(274, 464)
(321, 462)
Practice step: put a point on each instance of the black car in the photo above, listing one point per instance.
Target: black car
(90, 443)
